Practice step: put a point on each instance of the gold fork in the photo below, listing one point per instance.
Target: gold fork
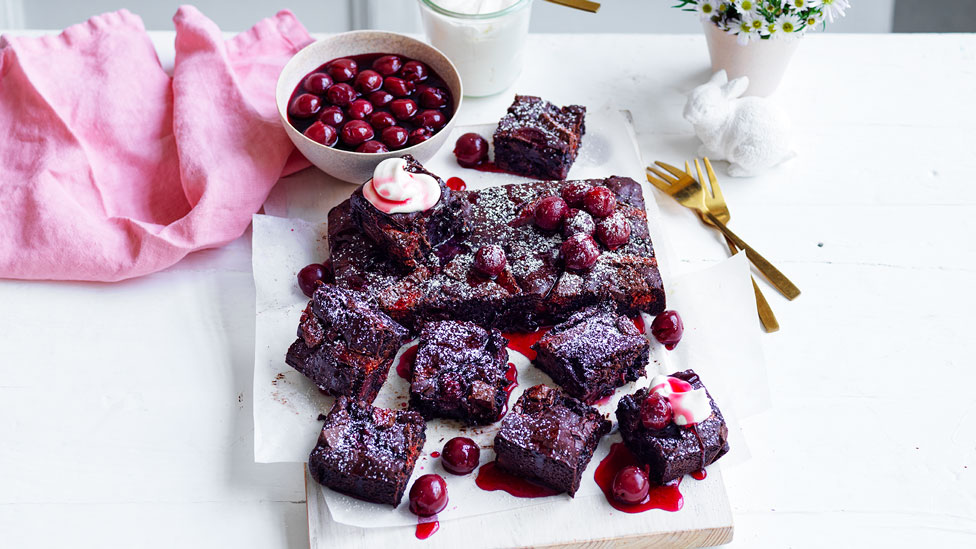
(688, 192)
(715, 203)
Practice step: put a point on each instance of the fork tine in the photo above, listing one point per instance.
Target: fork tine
(662, 175)
(687, 169)
(659, 184)
(700, 178)
(716, 190)
(675, 171)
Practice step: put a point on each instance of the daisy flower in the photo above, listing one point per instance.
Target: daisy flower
(789, 25)
(813, 19)
(744, 30)
(744, 7)
(804, 4)
(834, 9)
(707, 8)
(773, 29)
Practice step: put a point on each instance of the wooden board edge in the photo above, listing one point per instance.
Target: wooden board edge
(706, 537)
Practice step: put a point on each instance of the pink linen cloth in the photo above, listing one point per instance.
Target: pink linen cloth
(111, 169)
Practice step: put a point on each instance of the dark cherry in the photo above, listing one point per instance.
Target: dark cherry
(432, 98)
(430, 118)
(388, 64)
(578, 221)
(414, 71)
(322, 133)
(342, 70)
(356, 132)
(372, 146)
(599, 201)
(460, 455)
(341, 95)
(655, 412)
(667, 328)
(471, 150)
(382, 119)
(403, 109)
(398, 86)
(317, 82)
(380, 98)
(419, 136)
(490, 260)
(630, 485)
(550, 212)
(311, 277)
(332, 116)
(394, 137)
(614, 230)
(368, 81)
(574, 193)
(428, 495)
(305, 105)
(579, 252)
(360, 109)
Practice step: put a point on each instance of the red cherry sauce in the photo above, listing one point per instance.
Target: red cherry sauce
(512, 376)
(456, 184)
(699, 475)
(602, 400)
(491, 477)
(405, 364)
(667, 497)
(426, 526)
(522, 342)
(639, 323)
(435, 454)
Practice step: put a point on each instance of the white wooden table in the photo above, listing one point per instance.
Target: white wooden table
(125, 414)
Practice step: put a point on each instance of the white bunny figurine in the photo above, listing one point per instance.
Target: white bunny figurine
(751, 133)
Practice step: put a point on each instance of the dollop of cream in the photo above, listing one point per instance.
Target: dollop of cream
(395, 190)
(689, 405)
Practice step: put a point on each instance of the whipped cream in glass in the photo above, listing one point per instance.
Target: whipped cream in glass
(688, 405)
(395, 190)
(485, 39)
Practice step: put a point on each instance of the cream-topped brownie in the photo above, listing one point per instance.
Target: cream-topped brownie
(673, 426)
(551, 262)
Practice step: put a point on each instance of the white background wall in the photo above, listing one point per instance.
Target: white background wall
(631, 16)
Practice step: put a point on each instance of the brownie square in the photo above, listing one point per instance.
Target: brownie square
(460, 372)
(549, 437)
(408, 237)
(367, 452)
(673, 451)
(538, 139)
(592, 353)
(345, 343)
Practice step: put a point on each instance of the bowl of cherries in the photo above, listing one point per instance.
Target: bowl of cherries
(355, 99)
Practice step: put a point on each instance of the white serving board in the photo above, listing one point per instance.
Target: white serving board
(705, 519)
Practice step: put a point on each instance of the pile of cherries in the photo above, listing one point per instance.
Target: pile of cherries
(428, 495)
(370, 103)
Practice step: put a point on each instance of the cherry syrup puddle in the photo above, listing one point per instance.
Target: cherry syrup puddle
(491, 477)
(405, 364)
(512, 376)
(426, 526)
(667, 497)
(456, 184)
(522, 342)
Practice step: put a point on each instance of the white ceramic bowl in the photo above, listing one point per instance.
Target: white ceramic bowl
(348, 166)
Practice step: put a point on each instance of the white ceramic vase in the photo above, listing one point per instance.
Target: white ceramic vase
(763, 61)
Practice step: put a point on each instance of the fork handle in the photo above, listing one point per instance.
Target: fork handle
(775, 277)
(766, 316)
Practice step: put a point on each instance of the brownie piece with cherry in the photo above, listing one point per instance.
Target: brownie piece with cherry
(671, 450)
(538, 139)
(549, 437)
(459, 372)
(535, 284)
(592, 353)
(367, 452)
(345, 344)
(408, 237)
